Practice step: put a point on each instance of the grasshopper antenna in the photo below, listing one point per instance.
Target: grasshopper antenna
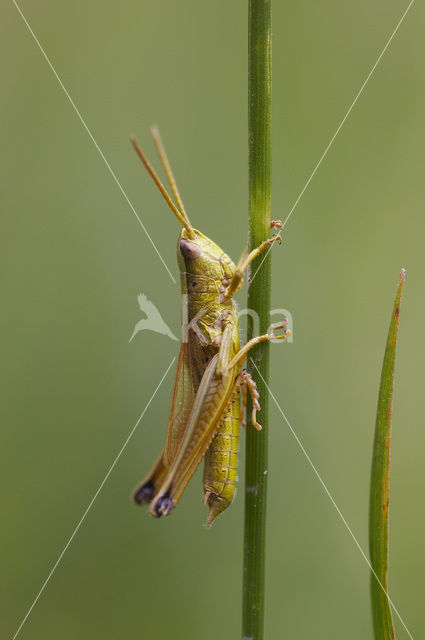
(180, 215)
(167, 168)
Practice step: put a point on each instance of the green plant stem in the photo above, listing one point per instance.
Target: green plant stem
(379, 484)
(259, 98)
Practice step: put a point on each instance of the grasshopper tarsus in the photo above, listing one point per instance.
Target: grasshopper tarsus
(280, 325)
(276, 224)
(249, 383)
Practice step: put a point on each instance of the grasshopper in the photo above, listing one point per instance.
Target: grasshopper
(205, 409)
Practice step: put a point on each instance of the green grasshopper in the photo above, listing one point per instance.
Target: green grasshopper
(205, 410)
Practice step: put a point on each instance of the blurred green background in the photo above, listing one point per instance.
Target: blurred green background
(74, 258)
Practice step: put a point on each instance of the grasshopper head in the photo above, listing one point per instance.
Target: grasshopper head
(197, 255)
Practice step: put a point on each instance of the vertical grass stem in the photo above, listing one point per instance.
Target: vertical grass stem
(259, 100)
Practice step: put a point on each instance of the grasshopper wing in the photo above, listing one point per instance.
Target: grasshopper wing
(190, 367)
(184, 391)
(211, 401)
(185, 386)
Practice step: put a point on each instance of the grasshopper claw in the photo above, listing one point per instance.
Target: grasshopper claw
(279, 325)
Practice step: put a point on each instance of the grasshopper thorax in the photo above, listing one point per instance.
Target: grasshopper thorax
(205, 272)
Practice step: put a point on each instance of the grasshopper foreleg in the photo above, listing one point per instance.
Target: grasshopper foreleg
(246, 259)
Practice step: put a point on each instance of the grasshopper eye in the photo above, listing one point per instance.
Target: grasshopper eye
(189, 250)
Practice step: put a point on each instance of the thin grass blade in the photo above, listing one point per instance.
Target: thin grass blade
(379, 484)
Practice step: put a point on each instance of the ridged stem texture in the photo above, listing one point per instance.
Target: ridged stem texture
(259, 98)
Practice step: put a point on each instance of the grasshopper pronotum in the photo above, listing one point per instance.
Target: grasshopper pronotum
(205, 408)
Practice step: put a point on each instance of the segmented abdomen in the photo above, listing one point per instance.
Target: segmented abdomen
(221, 460)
